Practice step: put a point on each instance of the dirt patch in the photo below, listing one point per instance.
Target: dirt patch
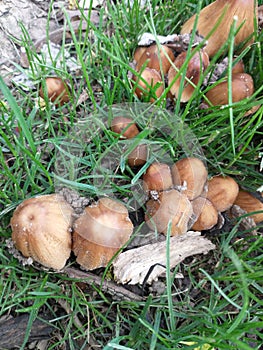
(16, 15)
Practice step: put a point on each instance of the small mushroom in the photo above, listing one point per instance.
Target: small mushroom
(242, 87)
(138, 52)
(222, 192)
(148, 85)
(206, 214)
(125, 127)
(57, 90)
(238, 67)
(171, 207)
(250, 204)
(157, 177)
(138, 156)
(158, 58)
(195, 67)
(220, 15)
(41, 230)
(189, 175)
(100, 232)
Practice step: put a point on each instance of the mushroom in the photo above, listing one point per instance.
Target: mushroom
(250, 204)
(222, 192)
(148, 84)
(125, 127)
(158, 58)
(157, 177)
(171, 207)
(138, 155)
(205, 213)
(220, 15)
(189, 175)
(242, 87)
(57, 90)
(238, 67)
(100, 232)
(138, 52)
(41, 230)
(195, 67)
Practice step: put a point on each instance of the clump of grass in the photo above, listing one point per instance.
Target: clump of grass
(219, 299)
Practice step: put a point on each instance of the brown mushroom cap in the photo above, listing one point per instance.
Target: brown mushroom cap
(146, 84)
(99, 232)
(242, 87)
(222, 192)
(196, 66)
(41, 230)
(239, 67)
(249, 203)
(57, 90)
(242, 10)
(157, 177)
(125, 127)
(171, 206)
(138, 52)
(138, 156)
(157, 58)
(206, 213)
(191, 174)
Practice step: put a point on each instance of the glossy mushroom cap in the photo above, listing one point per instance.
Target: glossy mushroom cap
(99, 232)
(171, 207)
(158, 58)
(125, 127)
(206, 214)
(157, 177)
(239, 67)
(242, 87)
(57, 90)
(210, 16)
(149, 84)
(190, 174)
(249, 203)
(138, 52)
(138, 155)
(222, 192)
(196, 66)
(41, 230)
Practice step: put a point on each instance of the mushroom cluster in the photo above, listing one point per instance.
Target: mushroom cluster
(44, 229)
(162, 67)
(182, 197)
(179, 197)
(151, 64)
(154, 63)
(171, 191)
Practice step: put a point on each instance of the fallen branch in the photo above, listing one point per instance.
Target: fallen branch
(117, 292)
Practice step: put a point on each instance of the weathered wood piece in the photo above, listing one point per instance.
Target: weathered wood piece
(134, 265)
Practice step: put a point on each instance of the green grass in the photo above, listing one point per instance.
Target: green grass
(219, 300)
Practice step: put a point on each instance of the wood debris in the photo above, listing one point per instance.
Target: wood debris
(133, 266)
